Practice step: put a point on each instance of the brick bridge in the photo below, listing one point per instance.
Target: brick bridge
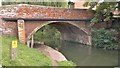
(24, 20)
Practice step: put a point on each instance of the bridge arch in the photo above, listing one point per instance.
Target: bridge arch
(69, 31)
(75, 19)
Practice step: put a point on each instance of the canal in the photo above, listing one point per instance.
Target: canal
(81, 55)
(84, 55)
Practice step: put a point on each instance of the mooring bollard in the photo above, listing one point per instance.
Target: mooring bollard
(13, 50)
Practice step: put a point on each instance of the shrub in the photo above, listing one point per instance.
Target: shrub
(102, 38)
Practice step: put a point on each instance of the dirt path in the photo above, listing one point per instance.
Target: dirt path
(52, 54)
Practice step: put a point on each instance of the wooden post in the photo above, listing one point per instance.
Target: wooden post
(13, 50)
(32, 41)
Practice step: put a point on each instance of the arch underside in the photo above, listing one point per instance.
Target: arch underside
(68, 32)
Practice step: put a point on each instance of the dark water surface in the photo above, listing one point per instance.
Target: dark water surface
(84, 55)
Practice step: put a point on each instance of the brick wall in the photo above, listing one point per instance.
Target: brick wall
(30, 11)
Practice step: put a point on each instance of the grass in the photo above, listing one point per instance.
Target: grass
(26, 56)
(66, 64)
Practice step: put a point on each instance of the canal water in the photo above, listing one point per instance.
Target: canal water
(84, 55)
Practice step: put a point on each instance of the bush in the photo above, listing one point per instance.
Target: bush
(102, 38)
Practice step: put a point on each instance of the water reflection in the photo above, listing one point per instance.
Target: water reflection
(87, 56)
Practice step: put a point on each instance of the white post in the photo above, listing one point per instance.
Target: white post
(32, 41)
(90, 40)
(28, 43)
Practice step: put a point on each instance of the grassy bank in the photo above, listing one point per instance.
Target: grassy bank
(26, 56)
(66, 63)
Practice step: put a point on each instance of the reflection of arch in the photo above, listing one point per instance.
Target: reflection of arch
(56, 22)
(69, 31)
